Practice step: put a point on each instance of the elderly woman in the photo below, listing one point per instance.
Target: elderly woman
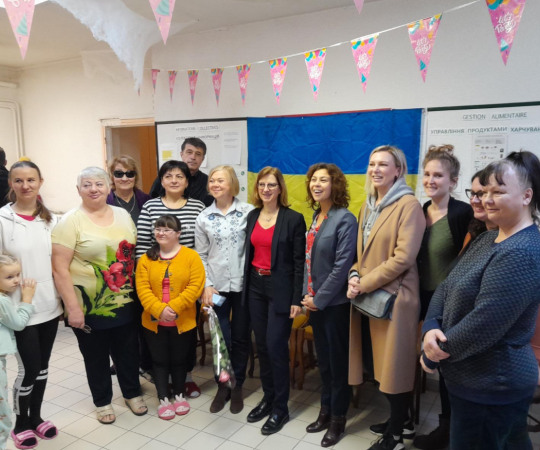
(389, 237)
(93, 264)
(125, 191)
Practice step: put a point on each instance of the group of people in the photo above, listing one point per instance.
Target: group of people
(131, 270)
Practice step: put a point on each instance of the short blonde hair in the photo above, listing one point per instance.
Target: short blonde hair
(283, 199)
(8, 260)
(93, 172)
(129, 163)
(232, 178)
(399, 159)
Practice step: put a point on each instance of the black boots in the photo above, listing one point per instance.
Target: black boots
(322, 422)
(438, 439)
(337, 428)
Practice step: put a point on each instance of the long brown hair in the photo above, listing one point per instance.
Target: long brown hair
(166, 221)
(41, 209)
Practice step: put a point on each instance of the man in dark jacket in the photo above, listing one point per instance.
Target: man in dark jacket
(4, 174)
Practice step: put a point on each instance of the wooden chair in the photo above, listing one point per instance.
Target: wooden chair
(298, 323)
(305, 334)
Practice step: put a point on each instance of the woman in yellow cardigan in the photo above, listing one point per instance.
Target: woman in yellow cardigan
(170, 279)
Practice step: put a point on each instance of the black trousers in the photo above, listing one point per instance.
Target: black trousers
(34, 344)
(145, 359)
(272, 332)
(236, 332)
(170, 356)
(192, 356)
(122, 342)
(331, 332)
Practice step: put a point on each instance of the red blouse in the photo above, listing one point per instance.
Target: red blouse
(312, 234)
(165, 285)
(262, 242)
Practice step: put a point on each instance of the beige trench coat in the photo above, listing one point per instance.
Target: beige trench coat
(391, 251)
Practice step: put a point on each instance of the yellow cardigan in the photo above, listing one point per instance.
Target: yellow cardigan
(187, 279)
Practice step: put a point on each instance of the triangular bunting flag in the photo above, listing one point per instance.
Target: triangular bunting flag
(192, 78)
(243, 75)
(315, 66)
(163, 11)
(422, 34)
(172, 79)
(505, 17)
(363, 50)
(20, 15)
(154, 78)
(216, 81)
(359, 5)
(278, 69)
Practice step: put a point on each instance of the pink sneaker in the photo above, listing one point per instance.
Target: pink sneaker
(192, 390)
(166, 410)
(181, 406)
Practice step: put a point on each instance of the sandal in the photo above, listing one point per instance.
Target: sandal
(42, 429)
(18, 439)
(135, 404)
(166, 410)
(104, 411)
(181, 406)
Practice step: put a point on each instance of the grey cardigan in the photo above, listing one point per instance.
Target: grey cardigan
(332, 255)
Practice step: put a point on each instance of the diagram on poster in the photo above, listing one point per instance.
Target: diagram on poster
(488, 149)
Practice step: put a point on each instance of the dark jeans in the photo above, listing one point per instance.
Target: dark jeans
(236, 332)
(122, 342)
(272, 332)
(331, 332)
(170, 352)
(489, 427)
(192, 355)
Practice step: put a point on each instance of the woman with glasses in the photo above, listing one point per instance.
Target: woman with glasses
(273, 279)
(170, 279)
(92, 259)
(447, 221)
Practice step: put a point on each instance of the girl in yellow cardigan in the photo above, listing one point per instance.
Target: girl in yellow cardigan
(170, 278)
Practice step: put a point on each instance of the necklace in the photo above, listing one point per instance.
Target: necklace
(127, 203)
(271, 217)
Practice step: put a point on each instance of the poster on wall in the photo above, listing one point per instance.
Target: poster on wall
(481, 136)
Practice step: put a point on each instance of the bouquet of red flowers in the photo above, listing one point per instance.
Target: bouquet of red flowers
(222, 362)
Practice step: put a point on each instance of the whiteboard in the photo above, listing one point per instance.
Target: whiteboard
(226, 143)
(480, 136)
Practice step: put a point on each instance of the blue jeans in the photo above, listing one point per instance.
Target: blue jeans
(489, 427)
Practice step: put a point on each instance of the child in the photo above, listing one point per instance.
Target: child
(12, 319)
(170, 278)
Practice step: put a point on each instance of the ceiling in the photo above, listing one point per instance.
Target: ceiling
(56, 35)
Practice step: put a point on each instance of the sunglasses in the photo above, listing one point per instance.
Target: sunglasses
(120, 174)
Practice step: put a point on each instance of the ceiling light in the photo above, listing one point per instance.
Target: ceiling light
(37, 2)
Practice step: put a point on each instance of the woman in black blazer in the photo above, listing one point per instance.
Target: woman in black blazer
(273, 276)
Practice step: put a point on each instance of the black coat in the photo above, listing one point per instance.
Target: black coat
(288, 258)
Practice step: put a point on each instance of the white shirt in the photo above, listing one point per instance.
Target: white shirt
(220, 241)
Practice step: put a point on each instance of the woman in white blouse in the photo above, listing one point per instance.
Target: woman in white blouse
(220, 239)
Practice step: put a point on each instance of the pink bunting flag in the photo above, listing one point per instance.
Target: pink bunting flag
(163, 11)
(154, 78)
(172, 79)
(216, 81)
(243, 75)
(192, 77)
(505, 17)
(422, 34)
(359, 5)
(21, 14)
(278, 69)
(315, 66)
(363, 50)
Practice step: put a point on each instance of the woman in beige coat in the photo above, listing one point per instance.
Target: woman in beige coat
(391, 226)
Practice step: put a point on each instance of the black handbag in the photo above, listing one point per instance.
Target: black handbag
(377, 304)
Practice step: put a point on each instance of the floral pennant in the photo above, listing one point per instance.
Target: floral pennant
(21, 14)
(505, 17)
(243, 75)
(216, 81)
(154, 78)
(163, 11)
(278, 69)
(172, 79)
(359, 5)
(192, 77)
(422, 34)
(315, 66)
(363, 51)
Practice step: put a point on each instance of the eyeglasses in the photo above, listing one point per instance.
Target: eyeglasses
(270, 186)
(120, 174)
(471, 194)
(166, 231)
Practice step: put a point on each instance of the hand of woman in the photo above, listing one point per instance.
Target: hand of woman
(295, 311)
(354, 287)
(207, 294)
(168, 314)
(308, 303)
(431, 345)
(76, 318)
(426, 368)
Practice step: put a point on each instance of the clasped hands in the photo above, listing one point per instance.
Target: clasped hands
(432, 350)
(354, 289)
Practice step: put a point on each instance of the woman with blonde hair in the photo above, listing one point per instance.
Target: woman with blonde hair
(273, 278)
(220, 240)
(391, 226)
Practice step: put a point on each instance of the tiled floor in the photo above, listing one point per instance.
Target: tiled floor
(69, 405)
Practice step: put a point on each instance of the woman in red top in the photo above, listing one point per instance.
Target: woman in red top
(273, 276)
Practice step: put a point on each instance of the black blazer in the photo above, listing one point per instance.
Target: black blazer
(288, 258)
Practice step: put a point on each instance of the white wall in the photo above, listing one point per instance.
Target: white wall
(466, 67)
